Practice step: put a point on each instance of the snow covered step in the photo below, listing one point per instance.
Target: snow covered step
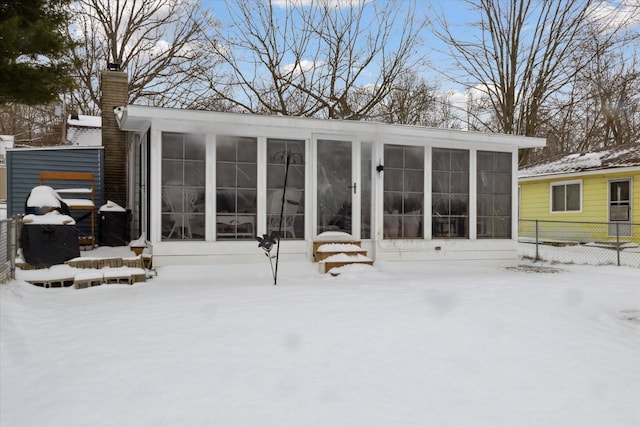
(329, 249)
(342, 259)
(323, 243)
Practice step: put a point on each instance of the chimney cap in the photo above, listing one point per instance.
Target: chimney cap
(113, 66)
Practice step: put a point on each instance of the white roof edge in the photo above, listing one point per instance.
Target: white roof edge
(138, 118)
(622, 169)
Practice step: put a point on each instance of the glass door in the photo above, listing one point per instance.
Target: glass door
(337, 198)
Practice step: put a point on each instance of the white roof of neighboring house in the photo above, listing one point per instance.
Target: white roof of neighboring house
(6, 141)
(607, 158)
(84, 131)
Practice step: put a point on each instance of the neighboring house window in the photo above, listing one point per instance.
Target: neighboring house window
(494, 195)
(566, 196)
(403, 191)
(620, 200)
(236, 183)
(620, 208)
(450, 193)
(183, 186)
(293, 208)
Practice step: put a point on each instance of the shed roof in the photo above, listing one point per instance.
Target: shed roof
(607, 158)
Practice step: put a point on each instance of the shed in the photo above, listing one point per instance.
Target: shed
(25, 164)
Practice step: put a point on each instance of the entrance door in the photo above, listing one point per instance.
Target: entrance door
(337, 187)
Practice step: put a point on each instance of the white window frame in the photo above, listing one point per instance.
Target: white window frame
(564, 184)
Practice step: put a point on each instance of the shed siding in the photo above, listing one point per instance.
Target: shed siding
(24, 167)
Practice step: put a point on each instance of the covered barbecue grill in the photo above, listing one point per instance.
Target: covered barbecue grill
(49, 235)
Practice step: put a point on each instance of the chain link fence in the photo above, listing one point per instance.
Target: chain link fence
(593, 243)
(9, 232)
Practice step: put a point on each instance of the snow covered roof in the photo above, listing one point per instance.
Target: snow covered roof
(84, 131)
(607, 158)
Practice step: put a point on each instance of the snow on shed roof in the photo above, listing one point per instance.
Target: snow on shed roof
(607, 158)
(84, 131)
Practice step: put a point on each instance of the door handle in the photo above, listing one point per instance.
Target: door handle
(354, 187)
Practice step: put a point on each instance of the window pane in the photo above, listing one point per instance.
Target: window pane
(459, 160)
(485, 182)
(225, 149)
(414, 181)
(619, 191)
(440, 182)
(194, 174)
(226, 174)
(459, 182)
(485, 205)
(195, 147)
(247, 150)
(573, 197)
(503, 163)
(414, 158)
(393, 179)
(171, 171)
(502, 205)
(557, 198)
(502, 184)
(247, 175)
(172, 146)
(440, 160)
(393, 156)
(440, 205)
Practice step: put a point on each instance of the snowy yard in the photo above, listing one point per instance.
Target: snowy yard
(395, 345)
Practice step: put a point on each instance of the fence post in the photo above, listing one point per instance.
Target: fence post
(537, 243)
(13, 239)
(618, 242)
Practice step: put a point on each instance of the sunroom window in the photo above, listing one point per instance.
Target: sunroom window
(236, 183)
(183, 186)
(403, 192)
(494, 195)
(450, 193)
(292, 210)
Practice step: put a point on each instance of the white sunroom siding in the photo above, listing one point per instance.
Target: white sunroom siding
(262, 127)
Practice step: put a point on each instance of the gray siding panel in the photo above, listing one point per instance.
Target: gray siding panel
(24, 167)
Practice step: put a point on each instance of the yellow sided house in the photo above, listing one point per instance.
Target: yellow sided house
(583, 197)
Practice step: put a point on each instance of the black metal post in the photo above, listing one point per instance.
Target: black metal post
(284, 191)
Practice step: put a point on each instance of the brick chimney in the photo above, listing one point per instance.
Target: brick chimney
(114, 86)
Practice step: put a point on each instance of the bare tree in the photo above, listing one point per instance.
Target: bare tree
(32, 125)
(414, 101)
(159, 43)
(523, 54)
(528, 54)
(323, 58)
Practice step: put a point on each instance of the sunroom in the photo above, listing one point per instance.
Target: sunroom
(203, 185)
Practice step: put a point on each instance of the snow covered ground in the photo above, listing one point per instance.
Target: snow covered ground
(395, 345)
